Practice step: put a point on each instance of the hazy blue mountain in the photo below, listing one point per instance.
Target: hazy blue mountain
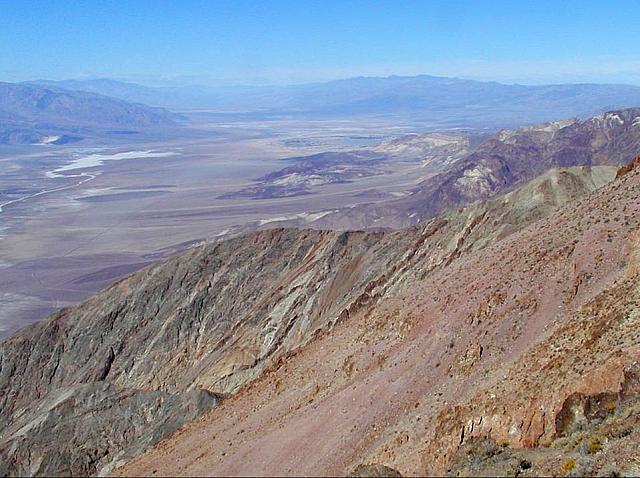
(173, 97)
(162, 96)
(439, 101)
(107, 87)
(32, 113)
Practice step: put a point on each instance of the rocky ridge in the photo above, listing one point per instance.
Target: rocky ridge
(174, 337)
(443, 372)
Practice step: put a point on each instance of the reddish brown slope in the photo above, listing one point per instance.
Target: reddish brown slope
(493, 345)
(212, 319)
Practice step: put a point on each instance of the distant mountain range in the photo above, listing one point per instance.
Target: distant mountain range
(62, 111)
(34, 113)
(437, 101)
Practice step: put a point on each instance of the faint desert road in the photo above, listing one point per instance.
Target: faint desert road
(87, 176)
(90, 161)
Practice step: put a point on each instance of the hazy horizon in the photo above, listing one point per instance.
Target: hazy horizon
(283, 42)
(222, 83)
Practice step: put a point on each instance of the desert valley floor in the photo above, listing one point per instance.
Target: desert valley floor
(69, 228)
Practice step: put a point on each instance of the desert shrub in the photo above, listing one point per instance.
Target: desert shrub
(594, 446)
(568, 466)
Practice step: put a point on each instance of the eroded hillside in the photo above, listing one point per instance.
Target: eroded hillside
(162, 346)
(520, 358)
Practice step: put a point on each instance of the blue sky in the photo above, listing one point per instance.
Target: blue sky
(278, 41)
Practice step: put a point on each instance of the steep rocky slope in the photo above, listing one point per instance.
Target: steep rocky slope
(206, 320)
(519, 358)
(163, 345)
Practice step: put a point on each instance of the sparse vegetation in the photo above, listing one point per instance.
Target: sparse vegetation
(594, 446)
(567, 467)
